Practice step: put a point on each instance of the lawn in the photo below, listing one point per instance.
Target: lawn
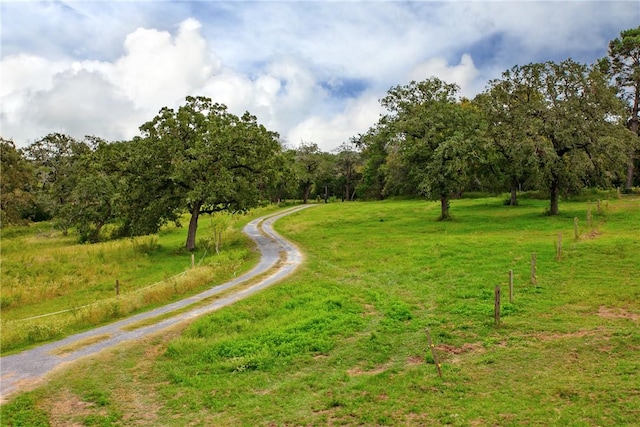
(342, 341)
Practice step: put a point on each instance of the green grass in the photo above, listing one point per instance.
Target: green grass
(342, 341)
(45, 272)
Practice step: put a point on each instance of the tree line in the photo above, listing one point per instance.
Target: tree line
(555, 127)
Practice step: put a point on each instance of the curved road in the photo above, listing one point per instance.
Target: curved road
(22, 370)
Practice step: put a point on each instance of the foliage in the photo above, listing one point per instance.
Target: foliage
(212, 160)
(437, 135)
(308, 158)
(16, 196)
(569, 120)
(57, 170)
(348, 165)
(514, 142)
(623, 64)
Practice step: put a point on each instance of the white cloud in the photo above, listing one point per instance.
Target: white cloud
(312, 71)
(464, 74)
(158, 69)
(329, 132)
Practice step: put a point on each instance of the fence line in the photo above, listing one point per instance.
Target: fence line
(98, 302)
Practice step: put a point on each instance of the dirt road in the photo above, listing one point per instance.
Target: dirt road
(279, 258)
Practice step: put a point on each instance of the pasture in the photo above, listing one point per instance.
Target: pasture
(343, 342)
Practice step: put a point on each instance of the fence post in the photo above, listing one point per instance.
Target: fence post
(433, 352)
(117, 287)
(533, 269)
(510, 286)
(496, 308)
(559, 247)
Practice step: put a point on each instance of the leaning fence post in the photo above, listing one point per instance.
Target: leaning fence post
(433, 352)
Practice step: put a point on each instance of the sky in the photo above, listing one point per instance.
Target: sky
(313, 71)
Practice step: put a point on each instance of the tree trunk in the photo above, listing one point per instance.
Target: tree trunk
(553, 207)
(193, 226)
(444, 207)
(307, 190)
(513, 201)
(629, 183)
(633, 126)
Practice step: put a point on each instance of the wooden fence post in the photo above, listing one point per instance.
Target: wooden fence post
(576, 234)
(496, 307)
(559, 247)
(533, 269)
(117, 287)
(510, 286)
(433, 352)
(193, 260)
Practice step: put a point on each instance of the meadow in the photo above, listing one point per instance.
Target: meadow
(53, 286)
(343, 342)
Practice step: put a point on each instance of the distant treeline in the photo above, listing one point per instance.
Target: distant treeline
(557, 127)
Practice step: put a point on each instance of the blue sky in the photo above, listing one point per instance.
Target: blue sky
(312, 71)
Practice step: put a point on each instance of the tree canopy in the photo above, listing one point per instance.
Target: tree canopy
(211, 159)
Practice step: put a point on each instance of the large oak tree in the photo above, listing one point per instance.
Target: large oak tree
(577, 117)
(437, 136)
(207, 159)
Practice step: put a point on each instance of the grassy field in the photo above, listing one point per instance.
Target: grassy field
(52, 286)
(342, 341)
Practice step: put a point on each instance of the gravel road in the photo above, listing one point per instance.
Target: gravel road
(23, 370)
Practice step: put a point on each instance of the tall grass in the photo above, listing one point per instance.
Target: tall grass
(342, 342)
(52, 286)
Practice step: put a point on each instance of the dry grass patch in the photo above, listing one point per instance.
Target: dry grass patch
(617, 313)
(79, 344)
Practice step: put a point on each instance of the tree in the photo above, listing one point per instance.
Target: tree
(437, 136)
(283, 182)
(95, 199)
(347, 165)
(623, 64)
(373, 152)
(506, 106)
(308, 161)
(16, 185)
(57, 170)
(211, 160)
(576, 115)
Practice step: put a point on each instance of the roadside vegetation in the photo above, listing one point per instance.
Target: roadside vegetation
(53, 286)
(342, 341)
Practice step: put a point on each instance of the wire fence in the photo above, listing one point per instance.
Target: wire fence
(98, 302)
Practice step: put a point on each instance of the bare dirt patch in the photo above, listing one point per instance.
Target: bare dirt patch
(465, 348)
(67, 409)
(617, 313)
(357, 371)
(415, 360)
